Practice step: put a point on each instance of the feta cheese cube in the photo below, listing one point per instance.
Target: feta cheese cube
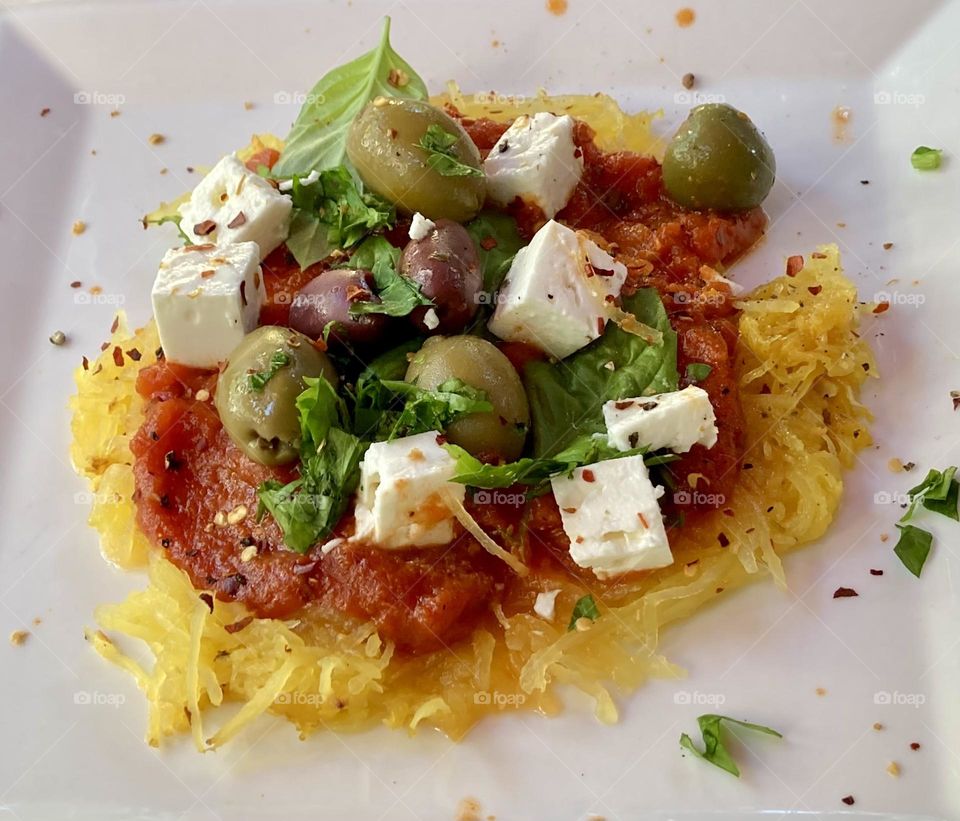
(401, 498)
(205, 299)
(420, 226)
(232, 204)
(610, 513)
(558, 292)
(537, 160)
(677, 420)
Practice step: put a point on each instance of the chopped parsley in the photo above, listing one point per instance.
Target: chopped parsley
(924, 158)
(585, 608)
(938, 493)
(441, 155)
(711, 726)
(398, 296)
(259, 379)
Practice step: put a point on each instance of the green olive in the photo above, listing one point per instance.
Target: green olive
(495, 435)
(718, 159)
(261, 416)
(384, 146)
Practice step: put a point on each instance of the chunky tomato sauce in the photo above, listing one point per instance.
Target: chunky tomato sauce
(196, 491)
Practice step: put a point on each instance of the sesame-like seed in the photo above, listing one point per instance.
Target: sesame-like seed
(248, 553)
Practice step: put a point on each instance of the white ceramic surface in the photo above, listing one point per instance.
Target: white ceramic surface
(71, 727)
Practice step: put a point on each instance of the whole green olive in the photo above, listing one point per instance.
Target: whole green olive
(384, 146)
(498, 434)
(718, 159)
(257, 391)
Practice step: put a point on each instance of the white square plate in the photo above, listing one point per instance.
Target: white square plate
(72, 727)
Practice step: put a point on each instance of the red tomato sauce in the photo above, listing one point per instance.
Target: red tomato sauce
(196, 492)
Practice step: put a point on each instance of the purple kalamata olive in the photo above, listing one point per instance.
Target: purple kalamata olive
(328, 297)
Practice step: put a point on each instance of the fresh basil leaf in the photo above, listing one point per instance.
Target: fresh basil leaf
(566, 397)
(332, 213)
(398, 295)
(497, 239)
(715, 752)
(585, 608)
(697, 371)
(913, 547)
(258, 379)
(924, 158)
(318, 139)
(935, 488)
(442, 155)
(308, 508)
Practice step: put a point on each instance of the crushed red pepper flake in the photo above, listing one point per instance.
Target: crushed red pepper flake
(488, 243)
(881, 307)
(117, 356)
(238, 220)
(207, 599)
(588, 475)
(115, 324)
(237, 626)
(875, 572)
(815, 289)
(76, 284)
(955, 397)
(848, 800)
(86, 364)
(44, 112)
(915, 745)
(794, 265)
(201, 229)
(845, 593)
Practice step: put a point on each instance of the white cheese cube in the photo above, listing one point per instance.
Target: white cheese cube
(401, 498)
(233, 204)
(677, 420)
(558, 292)
(420, 226)
(205, 299)
(536, 160)
(611, 515)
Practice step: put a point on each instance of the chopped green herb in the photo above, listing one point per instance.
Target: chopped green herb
(308, 508)
(258, 379)
(913, 547)
(585, 608)
(332, 213)
(938, 493)
(442, 155)
(697, 371)
(398, 295)
(715, 752)
(926, 159)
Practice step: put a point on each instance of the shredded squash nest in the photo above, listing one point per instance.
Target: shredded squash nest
(800, 369)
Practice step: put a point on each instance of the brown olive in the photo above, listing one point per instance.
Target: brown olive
(384, 146)
(328, 298)
(257, 391)
(492, 436)
(446, 267)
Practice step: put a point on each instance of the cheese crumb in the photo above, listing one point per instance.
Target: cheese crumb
(895, 466)
(546, 604)
(156, 139)
(894, 769)
(202, 395)
(248, 553)
(18, 637)
(877, 726)
(78, 228)
(420, 226)
(431, 320)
